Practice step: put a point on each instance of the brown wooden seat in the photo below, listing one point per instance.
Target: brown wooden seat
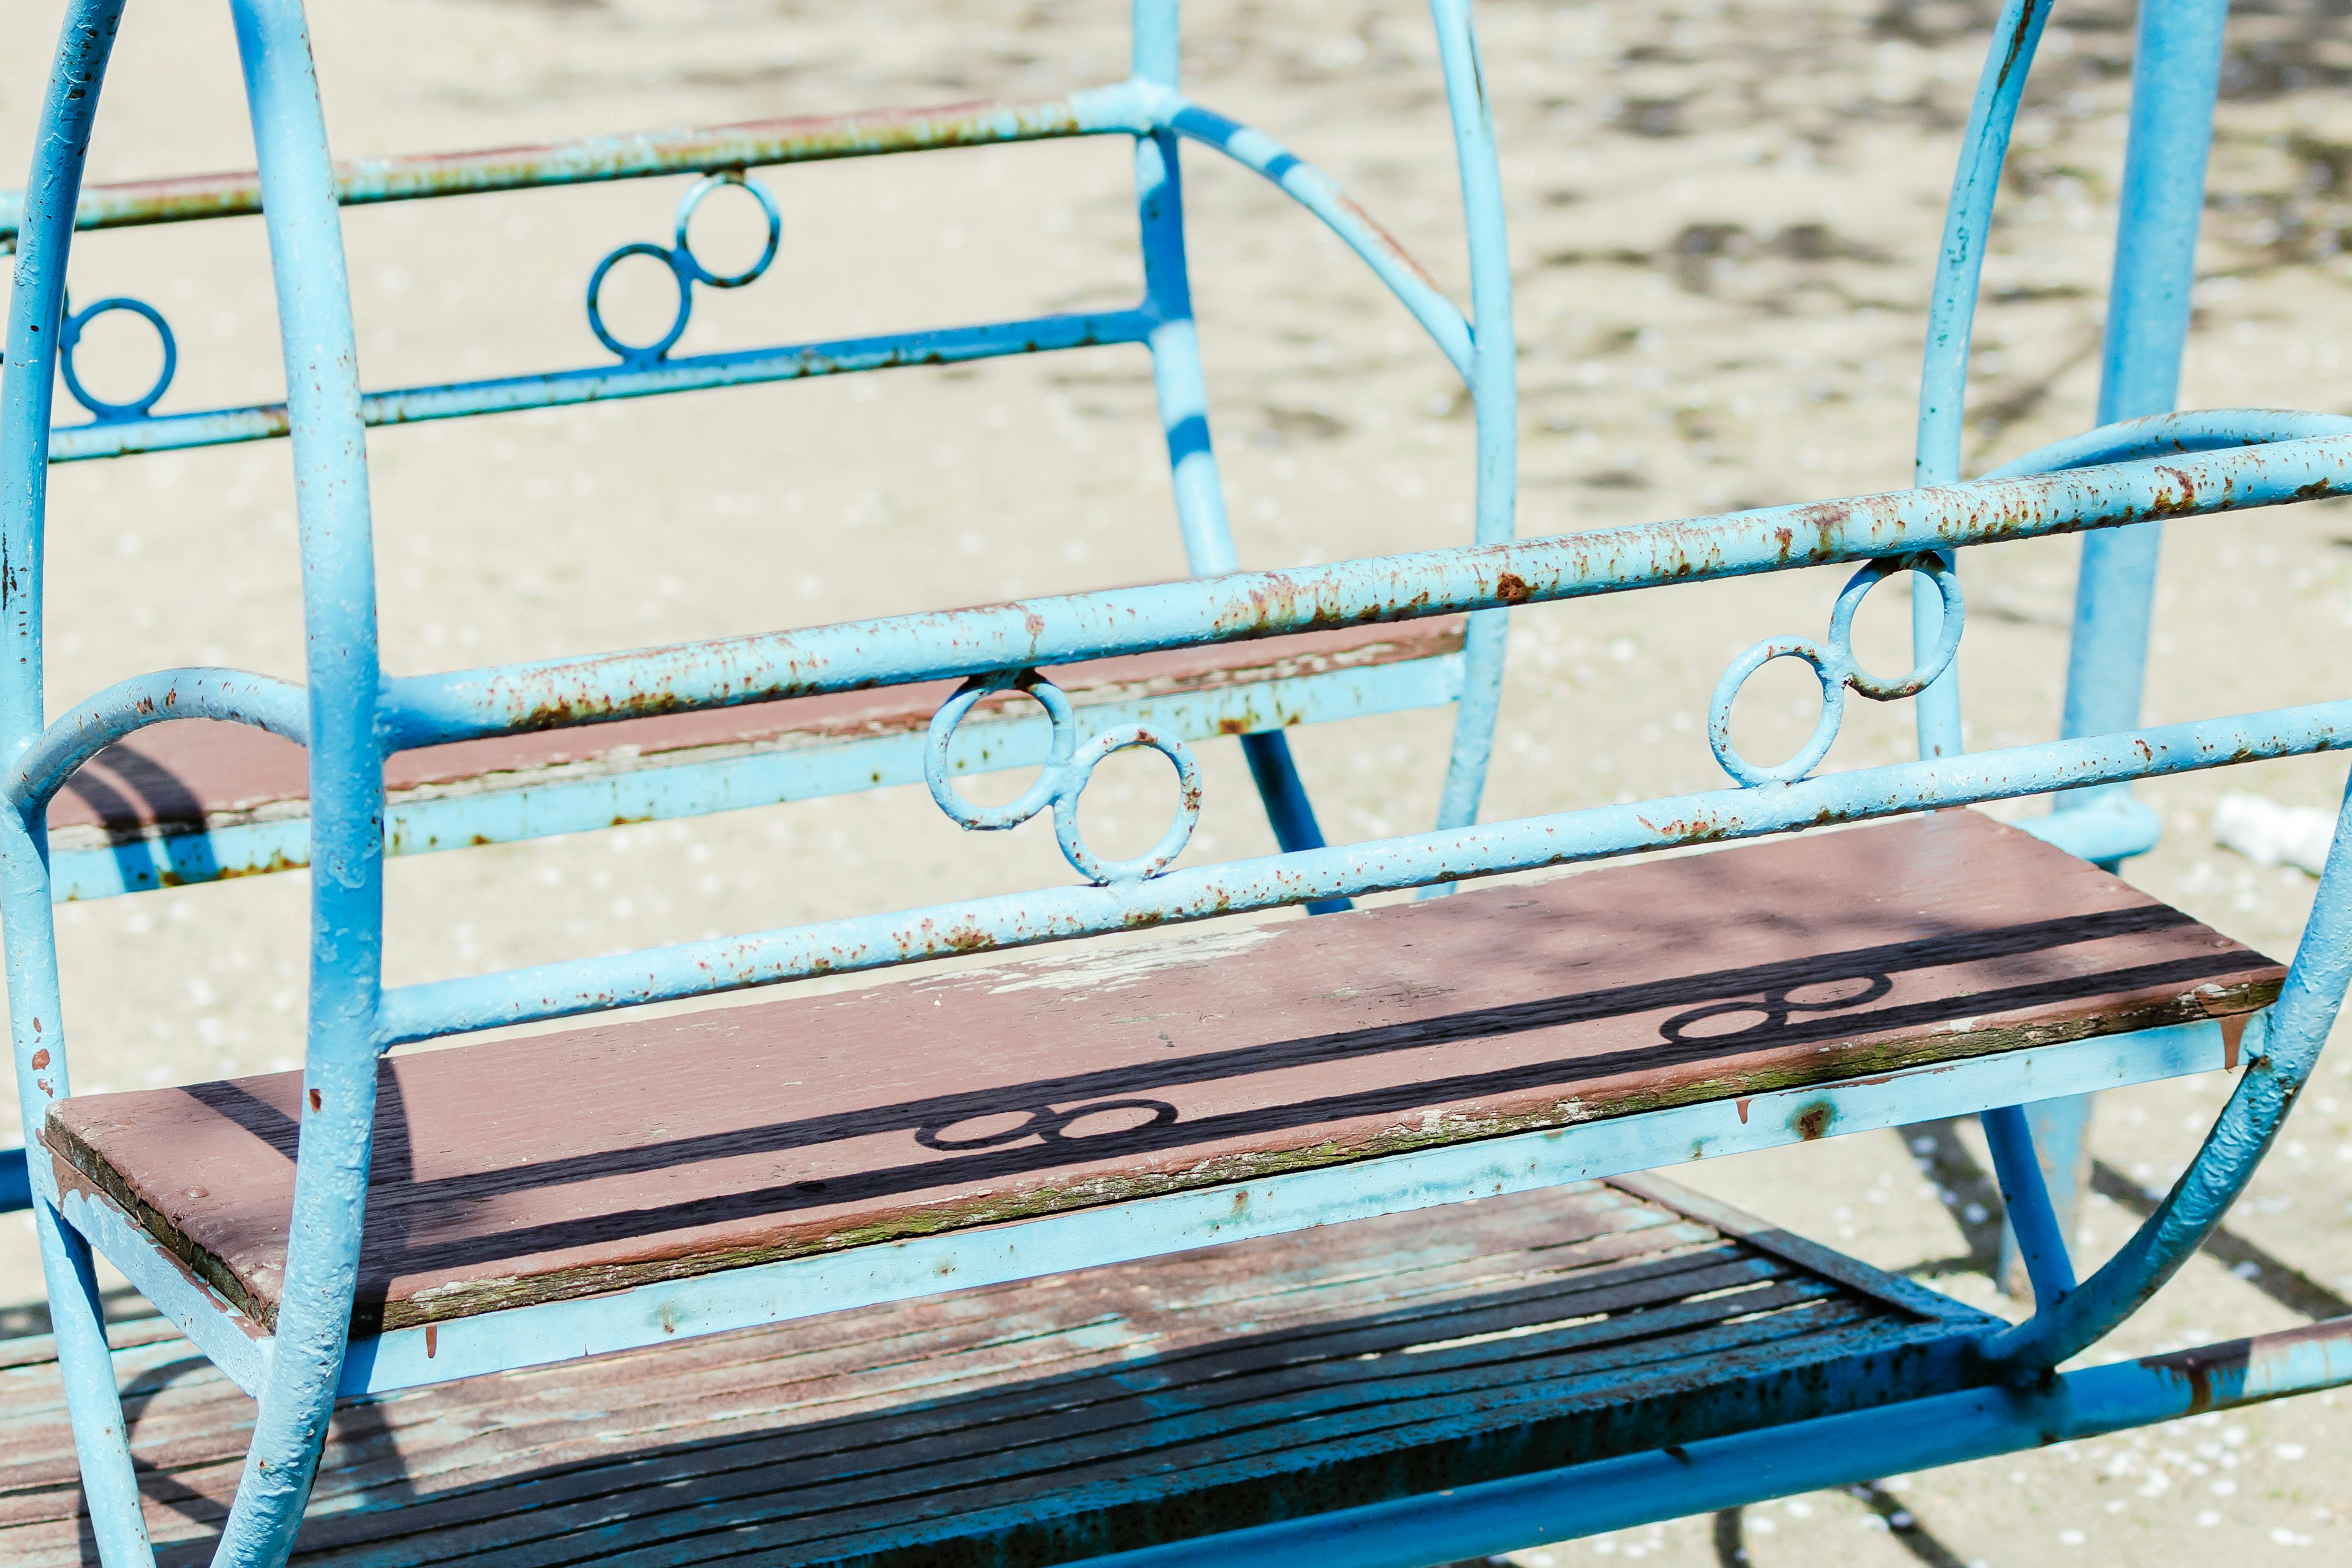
(200, 774)
(1037, 1423)
(567, 1165)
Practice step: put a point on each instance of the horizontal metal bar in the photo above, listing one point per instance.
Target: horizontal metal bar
(1465, 1523)
(234, 1341)
(800, 139)
(657, 793)
(419, 710)
(1276, 1205)
(743, 367)
(1411, 861)
(1138, 106)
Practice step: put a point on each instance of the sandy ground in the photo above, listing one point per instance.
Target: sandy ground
(1723, 219)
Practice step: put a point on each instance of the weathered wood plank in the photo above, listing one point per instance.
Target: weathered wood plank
(1025, 1424)
(572, 1163)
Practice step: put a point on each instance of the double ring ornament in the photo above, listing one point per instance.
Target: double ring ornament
(1836, 668)
(1064, 777)
(685, 269)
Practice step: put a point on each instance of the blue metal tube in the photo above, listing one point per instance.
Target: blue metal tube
(1494, 1517)
(329, 453)
(1495, 391)
(2295, 1029)
(128, 706)
(875, 941)
(2025, 1193)
(2176, 74)
(1968, 220)
(1184, 398)
(421, 709)
(2166, 435)
(1951, 316)
(27, 385)
(596, 160)
(1314, 190)
(602, 384)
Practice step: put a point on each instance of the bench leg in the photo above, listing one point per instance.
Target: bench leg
(1183, 396)
(101, 1438)
(2060, 1130)
(1288, 808)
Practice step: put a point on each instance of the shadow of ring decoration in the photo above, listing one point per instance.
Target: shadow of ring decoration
(685, 269)
(1048, 1125)
(1836, 668)
(1064, 777)
(1772, 1010)
(69, 330)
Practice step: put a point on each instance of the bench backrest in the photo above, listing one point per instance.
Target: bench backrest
(1147, 107)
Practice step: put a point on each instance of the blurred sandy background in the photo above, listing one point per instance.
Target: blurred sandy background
(1723, 220)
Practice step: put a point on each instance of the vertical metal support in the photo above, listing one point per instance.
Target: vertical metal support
(1943, 391)
(1183, 396)
(2033, 1204)
(1494, 391)
(2176, 76)
(28, 386)
(329, 453)
(1951, 320)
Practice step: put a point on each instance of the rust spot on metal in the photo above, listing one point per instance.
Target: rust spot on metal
(431, 1340)
(1813, 1121)
(1512, 589)
(40, 1060)
(315, 1103)
(2233, 1030)
(1741, 1106)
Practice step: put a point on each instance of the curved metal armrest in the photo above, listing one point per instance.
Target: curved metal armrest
(2281, 1048)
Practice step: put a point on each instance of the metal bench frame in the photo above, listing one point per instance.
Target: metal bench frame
(2111, 485)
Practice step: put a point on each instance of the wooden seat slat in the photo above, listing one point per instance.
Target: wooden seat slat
(201, 773)
(1034, 1423)
(531, 1170)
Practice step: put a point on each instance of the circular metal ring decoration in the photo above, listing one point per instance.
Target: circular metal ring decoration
(1171, 843)
(685, 269)
(1836, 668)
(632, 353)
(1063, 779)
(1038, 796)
(69, 337)
(683, 248)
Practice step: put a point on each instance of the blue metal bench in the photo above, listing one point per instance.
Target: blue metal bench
(197, 800)
(1242, 1090)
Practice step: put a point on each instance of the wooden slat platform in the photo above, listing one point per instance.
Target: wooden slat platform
(1036, 1423)
(202, 773)
(569, 1164)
